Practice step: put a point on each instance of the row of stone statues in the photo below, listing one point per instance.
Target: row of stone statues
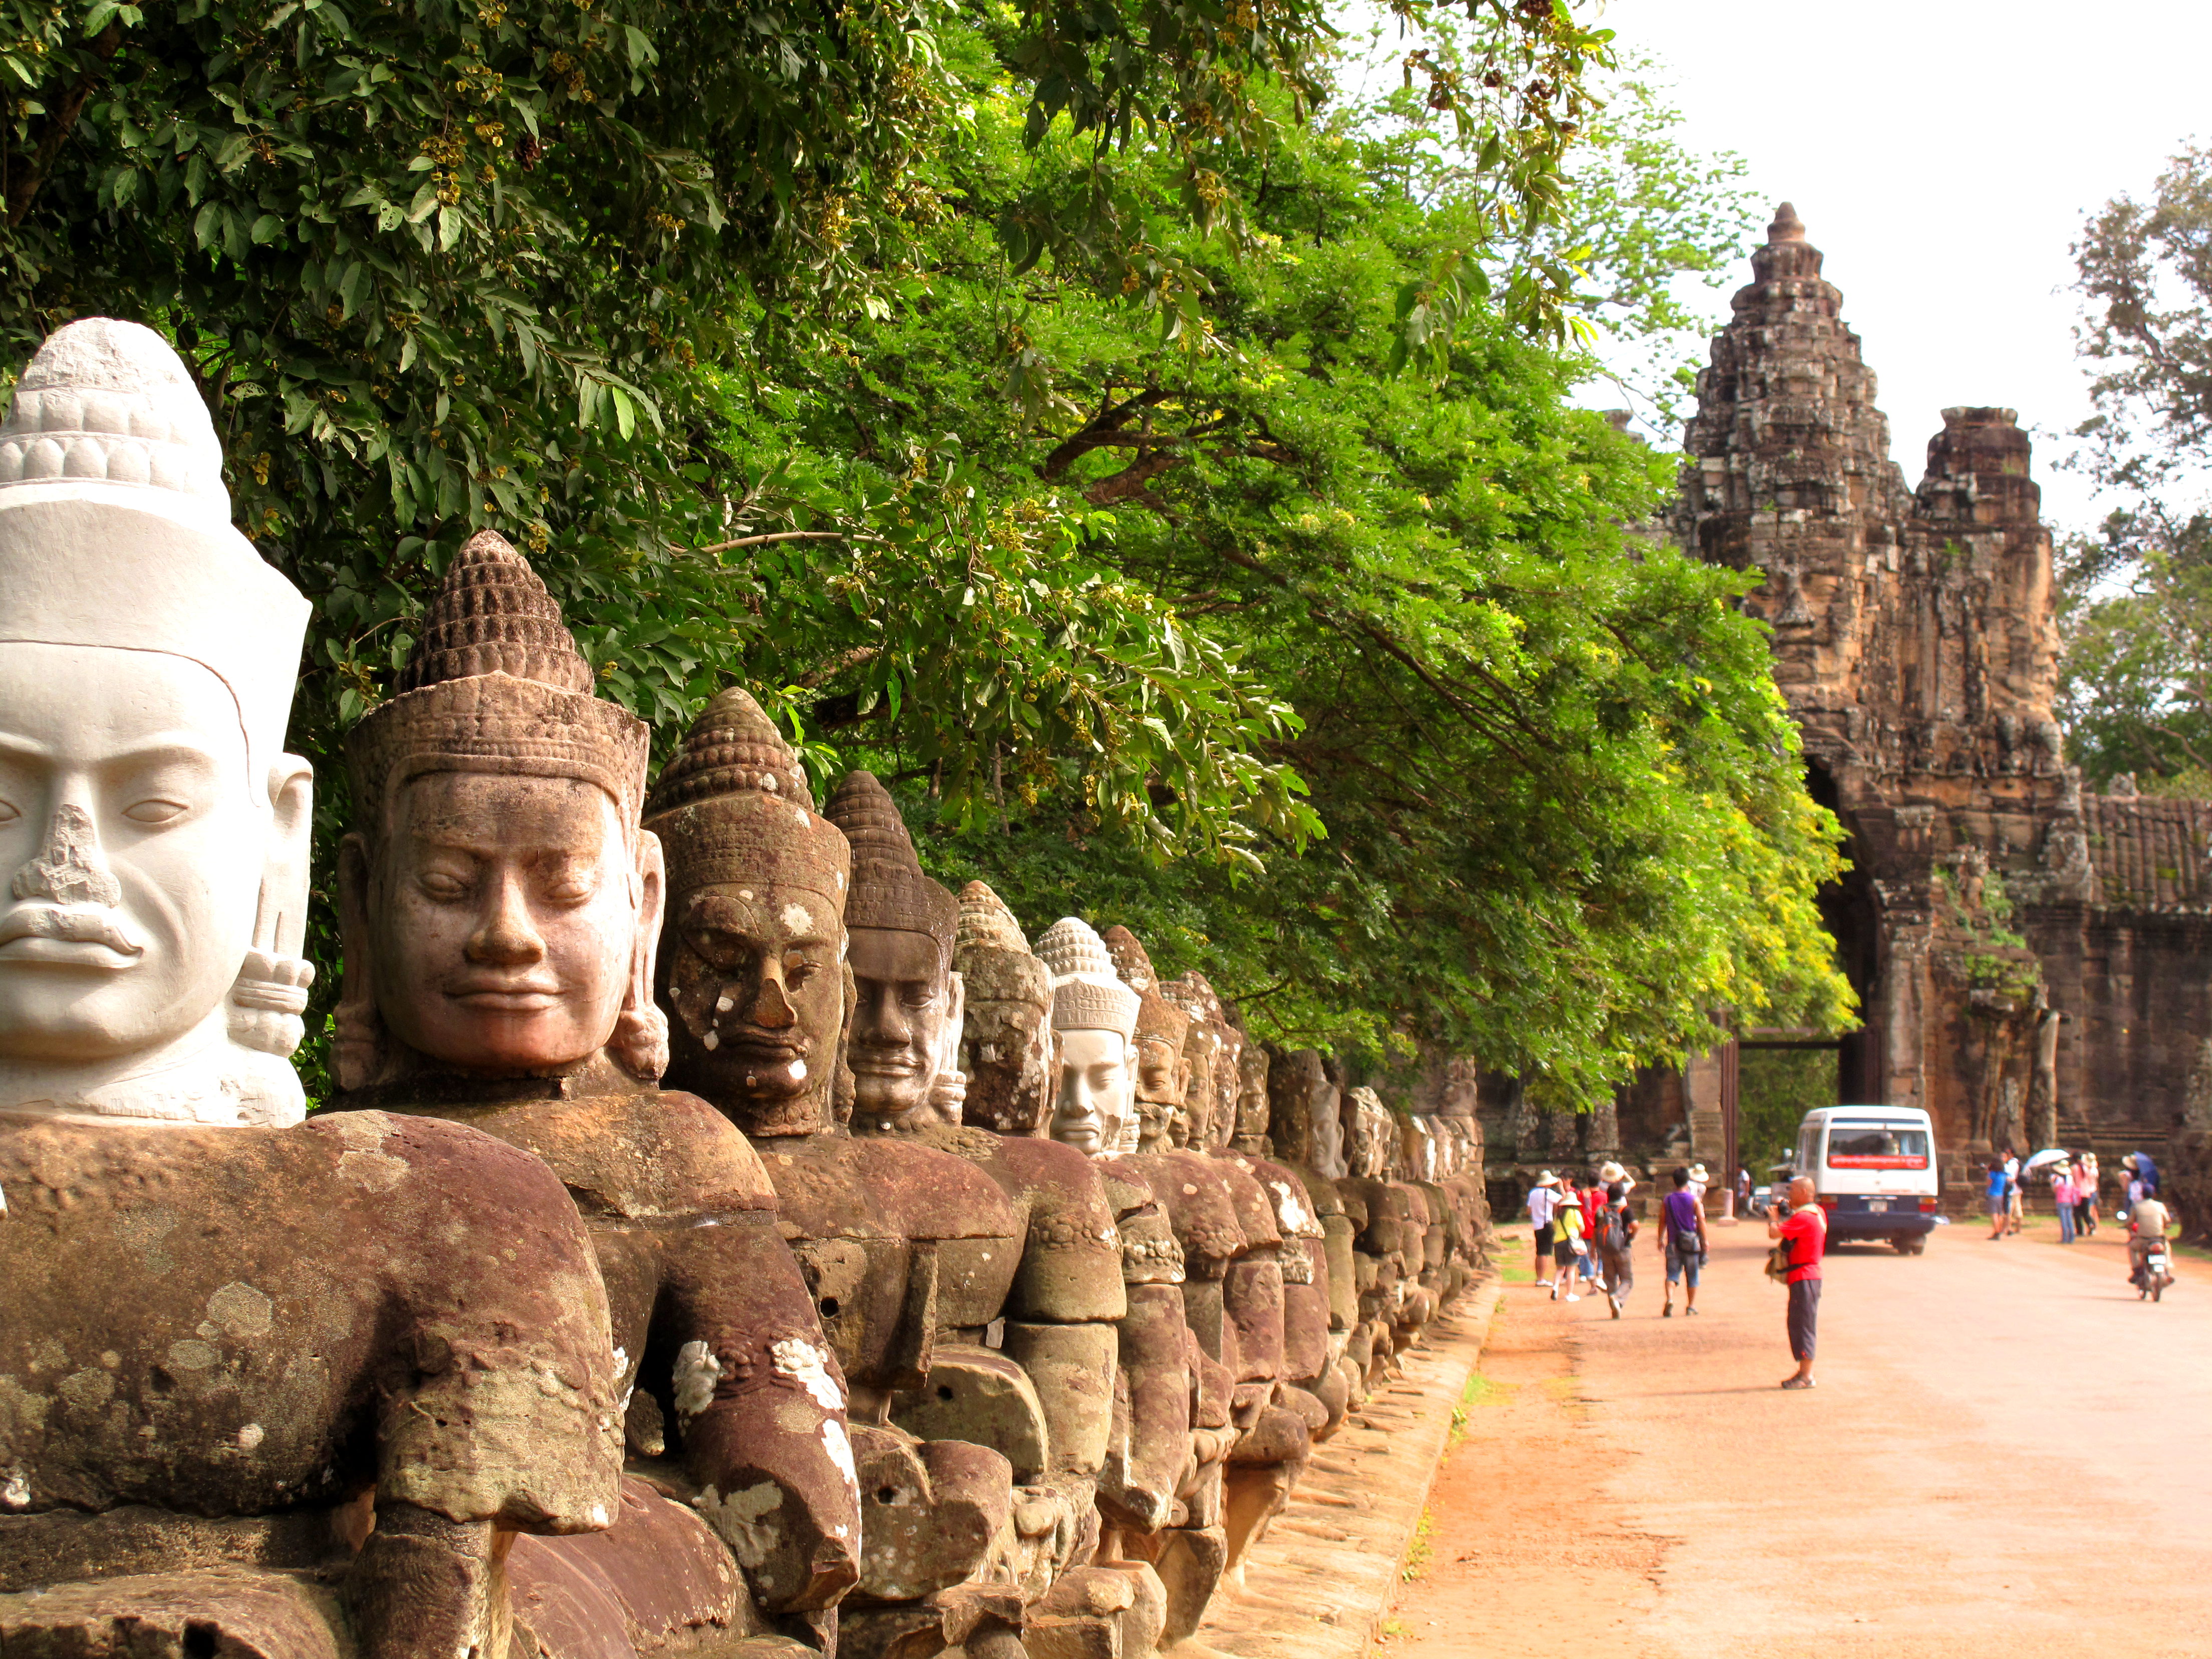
(725, 1240)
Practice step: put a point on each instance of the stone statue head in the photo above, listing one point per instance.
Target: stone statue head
(1253, 1066)
(1302, 1113)
(1094, 1018)
(1204, 1055)
(153, 831)
(1006, 1032)
(1157, 1095)
(752, 955)
(502, 904)
(903, 1044)
(1372, 1142)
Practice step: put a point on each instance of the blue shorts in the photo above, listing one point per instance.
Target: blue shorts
(1681, 1268)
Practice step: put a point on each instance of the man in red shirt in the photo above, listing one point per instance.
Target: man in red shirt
(1807, 1234)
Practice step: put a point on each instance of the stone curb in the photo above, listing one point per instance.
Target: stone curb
(1321, 1581)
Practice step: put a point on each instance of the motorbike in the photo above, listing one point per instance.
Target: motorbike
(2153, 1269)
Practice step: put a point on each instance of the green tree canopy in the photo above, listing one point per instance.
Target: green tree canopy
(2137, 596)
(1161, 472)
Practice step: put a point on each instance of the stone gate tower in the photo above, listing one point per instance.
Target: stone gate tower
(2032, 963)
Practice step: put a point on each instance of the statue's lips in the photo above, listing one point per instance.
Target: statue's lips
(69, 936)
(508, 999)
(864, 1064)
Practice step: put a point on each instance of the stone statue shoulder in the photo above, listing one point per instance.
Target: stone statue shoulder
(1072, 1268)
(635, 1154)
(834, 1185)
(1321, 1191)
(1200, 1207)
(1255, 1208)
(1150, 1252)
(237, 1321)
(1295, 1214)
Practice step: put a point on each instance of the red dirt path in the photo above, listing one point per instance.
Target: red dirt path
(1995, 1426)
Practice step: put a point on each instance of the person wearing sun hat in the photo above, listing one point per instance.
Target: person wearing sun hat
(1543, 1201)
(1568, 1248)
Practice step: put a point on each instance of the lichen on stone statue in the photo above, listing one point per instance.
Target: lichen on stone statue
(391, 1322)
(503, 905)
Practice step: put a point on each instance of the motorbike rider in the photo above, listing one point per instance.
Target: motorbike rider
(2147, 1226)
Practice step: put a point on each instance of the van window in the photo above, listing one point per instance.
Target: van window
(1877, 1146)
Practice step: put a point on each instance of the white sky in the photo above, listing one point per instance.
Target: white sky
(1942, 155)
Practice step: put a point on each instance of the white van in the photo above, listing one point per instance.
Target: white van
(1874, 1171)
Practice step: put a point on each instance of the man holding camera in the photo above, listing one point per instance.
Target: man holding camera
(1806, 1232)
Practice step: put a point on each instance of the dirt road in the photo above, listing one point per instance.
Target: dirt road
(2008, 1457)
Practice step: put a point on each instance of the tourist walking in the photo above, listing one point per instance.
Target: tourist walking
(1569, 1246)
(2085, 1194)
(2014, 1206)
(1592, 1195)
(1682, 1241)
(1616, 1234)
(2061, 1199)
(1998, 1206)
(1806, 1232)
(1543, 1200)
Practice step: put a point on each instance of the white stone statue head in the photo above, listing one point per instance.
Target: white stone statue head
(153, 831)
(1094, 1016)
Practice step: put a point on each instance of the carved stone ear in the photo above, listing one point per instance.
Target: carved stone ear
(640, 1042)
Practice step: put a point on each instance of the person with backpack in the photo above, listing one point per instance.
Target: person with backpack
(1682, 1241)
(1805, 1236)
(1616, 1233)
(1570, 1246)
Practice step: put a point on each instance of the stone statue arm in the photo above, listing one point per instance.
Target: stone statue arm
(760, 1407)
(497, 1404)
(424, 1584)
(1152, 1443)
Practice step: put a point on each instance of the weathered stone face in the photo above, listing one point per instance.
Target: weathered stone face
(905, 1016)
(1094, 1091)
(1252, 1104)
(752, 979)
(1007, 1040)
(752, 957)
(133, 844)
(508, 914)
(901, 1046)
(1094, 1018)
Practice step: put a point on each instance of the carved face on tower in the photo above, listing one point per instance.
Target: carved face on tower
(902, 1047)
(153, 834)
(753, 953)
(1006, 1029)
(502, 904)
(1094, 1016)
(1161, 1029)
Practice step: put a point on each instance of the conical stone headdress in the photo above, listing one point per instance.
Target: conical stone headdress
(1155, 1015)
(1086, 994)
(115, 527)
(986, 924)
(733, 806)
(888, 888)
(497, 684)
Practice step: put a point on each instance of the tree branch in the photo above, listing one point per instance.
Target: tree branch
(24, 190)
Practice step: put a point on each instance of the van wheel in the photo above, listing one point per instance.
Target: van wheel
(1901, 1244)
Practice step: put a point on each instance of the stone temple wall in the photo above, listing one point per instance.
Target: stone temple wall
(2032, 960)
